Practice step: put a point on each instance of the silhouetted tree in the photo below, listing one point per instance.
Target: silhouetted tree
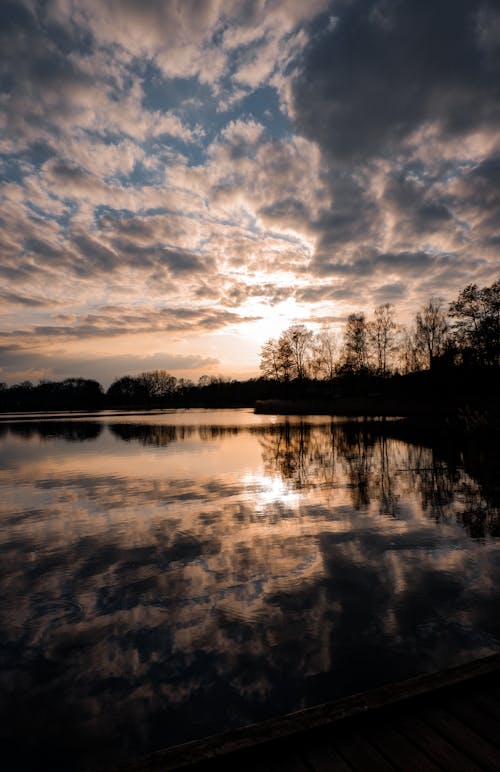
(277, 359)
(297, 339)
(285, 359)
(79, 391)
(270, 360)
(410, 354)
(431, 331)
(355, 353)
(157, 384)
(126, 390)
(324, 352)
(476, 326)
(382, 334)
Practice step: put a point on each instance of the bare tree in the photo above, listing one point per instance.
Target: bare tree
(410, 355)
(277, 360)
(298, 340)
(431, 331)
(288, 357)
(270, 360)
(324, 354)
(382, 333)
(355, 351)
(157, 383)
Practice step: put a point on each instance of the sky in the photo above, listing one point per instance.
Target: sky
(183, 179)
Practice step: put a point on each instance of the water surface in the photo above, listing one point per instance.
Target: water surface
(168, 576)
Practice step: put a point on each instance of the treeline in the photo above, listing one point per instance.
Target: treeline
(154, 389)
(467, 334)
(70, 394)
(447, 354)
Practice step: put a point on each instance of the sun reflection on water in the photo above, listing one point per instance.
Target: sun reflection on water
(264, 490)
(155, 569)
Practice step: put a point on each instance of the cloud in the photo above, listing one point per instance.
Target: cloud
(20, 363)
(178, 578)
(115, 321)
(388, 68)
(403, 103)
(242, 155)
(242, 135)
(22, 300)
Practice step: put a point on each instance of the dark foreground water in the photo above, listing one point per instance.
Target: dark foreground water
(167, 577)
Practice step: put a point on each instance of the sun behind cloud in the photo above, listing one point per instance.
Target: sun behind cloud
(182, 181)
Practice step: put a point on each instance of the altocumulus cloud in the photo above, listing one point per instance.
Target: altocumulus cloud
(180, 169)
(403, 99)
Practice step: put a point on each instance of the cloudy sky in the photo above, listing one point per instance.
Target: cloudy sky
(183, 179)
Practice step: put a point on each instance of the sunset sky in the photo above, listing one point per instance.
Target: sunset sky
(183, 179)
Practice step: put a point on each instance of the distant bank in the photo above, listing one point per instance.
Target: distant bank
(460, 396)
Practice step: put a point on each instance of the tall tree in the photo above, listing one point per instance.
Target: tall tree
(355, 351)
(269, 360)
(382, 332)
(324, 354)
(285, 360)
(127, 390)
(298, 339)
(157, 384)
(431, 331)
(410, 354)
(476, 326)
(276, 360)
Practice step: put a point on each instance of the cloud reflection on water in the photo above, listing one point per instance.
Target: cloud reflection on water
(196, 578)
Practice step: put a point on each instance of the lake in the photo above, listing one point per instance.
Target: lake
(168, 576)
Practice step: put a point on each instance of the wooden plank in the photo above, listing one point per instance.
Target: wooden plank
(487, 704)
(361, 755)
(446, 755)
(287, 764)
(460, 735)
(322, 757)
(320, 715)
(314, 717)
(481, 723)
(278, 761)
(400, 750)
(263, 764)
(494, 691)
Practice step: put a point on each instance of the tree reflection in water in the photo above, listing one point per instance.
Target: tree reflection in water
(455, 481)
(71, 431)
(143, 578)
(302, 456)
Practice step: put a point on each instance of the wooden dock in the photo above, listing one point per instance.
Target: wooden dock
(444, 721)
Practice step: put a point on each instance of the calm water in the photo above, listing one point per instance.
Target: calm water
(164, 577)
